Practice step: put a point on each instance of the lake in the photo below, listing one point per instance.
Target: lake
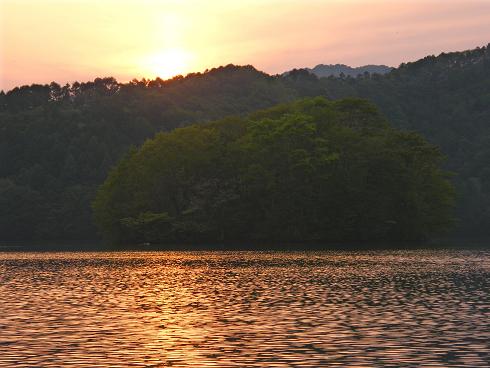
(245, 309)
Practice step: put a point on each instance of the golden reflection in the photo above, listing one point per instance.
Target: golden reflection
(245, 309)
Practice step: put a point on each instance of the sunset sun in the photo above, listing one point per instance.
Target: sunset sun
(168, 63)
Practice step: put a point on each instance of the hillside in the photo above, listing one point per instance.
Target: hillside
(57, 143)
(447, 99)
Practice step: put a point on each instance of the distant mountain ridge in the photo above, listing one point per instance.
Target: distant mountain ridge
(336, 70)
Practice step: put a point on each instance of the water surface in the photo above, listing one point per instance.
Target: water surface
(245, 309)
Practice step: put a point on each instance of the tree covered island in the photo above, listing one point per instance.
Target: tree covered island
(58, 143)
(308, 171)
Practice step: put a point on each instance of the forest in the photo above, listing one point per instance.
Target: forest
(58, 143)
(308, 171)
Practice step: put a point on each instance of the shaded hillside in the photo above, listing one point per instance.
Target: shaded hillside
(447, 99)
(57, 143)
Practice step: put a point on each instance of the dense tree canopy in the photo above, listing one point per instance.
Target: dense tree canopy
(312, 170)
(446, 99)
(57, 143)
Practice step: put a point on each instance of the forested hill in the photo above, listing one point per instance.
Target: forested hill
(57, 143)
(447, 99)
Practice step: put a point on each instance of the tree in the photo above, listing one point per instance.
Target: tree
(313, 170)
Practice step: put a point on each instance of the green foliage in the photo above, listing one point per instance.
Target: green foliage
(446, 99)
(313, 170)
(148, 226)
(58, 143)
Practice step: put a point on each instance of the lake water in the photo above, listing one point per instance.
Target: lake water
(245, 309)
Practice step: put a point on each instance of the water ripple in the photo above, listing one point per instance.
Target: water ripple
(245, 309)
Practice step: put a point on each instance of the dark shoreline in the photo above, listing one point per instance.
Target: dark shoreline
(98, 246)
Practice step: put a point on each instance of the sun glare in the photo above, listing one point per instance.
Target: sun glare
(168, 63)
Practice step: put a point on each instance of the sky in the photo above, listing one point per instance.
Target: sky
(68, 40)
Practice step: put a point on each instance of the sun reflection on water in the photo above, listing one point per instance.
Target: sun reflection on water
(236, 309)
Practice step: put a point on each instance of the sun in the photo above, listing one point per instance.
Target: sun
(168, 63)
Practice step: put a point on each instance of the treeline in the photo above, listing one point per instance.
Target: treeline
(57, 143)
(309, 171)
(446, 99)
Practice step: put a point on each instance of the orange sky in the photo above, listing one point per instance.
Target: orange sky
(68, 40)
